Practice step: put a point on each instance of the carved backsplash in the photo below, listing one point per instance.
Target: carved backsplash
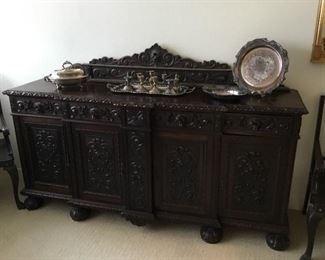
(161, 61)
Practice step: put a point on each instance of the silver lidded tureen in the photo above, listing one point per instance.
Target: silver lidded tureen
(68, 77)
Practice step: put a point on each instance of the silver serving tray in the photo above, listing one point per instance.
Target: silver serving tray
(261, 66)
(224, 91)
(181, 90)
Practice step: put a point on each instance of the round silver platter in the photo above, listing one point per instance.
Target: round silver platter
(261, 66)
(224, 91)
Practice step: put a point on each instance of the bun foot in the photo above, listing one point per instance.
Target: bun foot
(135, 220)
(32, 203)
(79, 214)
(211, 234)
(305, 257)
(277, 242)
(138, 222)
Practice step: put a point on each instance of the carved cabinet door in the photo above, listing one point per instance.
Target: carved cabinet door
(97, 162)
(253, 176)
(182, 167)
(43, 154)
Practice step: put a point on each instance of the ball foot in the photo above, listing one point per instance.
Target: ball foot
(138, 222)
(277, 242)
(79, 214)
(211, 234)
(32, 203)
(305, 257)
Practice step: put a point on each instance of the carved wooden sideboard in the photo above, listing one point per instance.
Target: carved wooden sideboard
(187, 158)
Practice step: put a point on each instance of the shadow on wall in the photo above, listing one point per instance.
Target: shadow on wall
(309, 79)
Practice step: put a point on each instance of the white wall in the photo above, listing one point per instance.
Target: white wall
(36, 37)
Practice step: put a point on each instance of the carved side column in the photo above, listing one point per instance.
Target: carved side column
(138, 181)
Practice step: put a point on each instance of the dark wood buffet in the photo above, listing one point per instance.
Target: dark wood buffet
(188, 158)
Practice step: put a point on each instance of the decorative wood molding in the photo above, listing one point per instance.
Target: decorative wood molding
(160, 60)
(257, 123)
(200, 121)
(182, 173)
(55, 108)
(136, 167)
(156, 56)
(101, 173)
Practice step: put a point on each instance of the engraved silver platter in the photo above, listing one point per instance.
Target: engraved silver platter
(260, 66)
(224, 91)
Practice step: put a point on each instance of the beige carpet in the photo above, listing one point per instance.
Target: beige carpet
(49, 233)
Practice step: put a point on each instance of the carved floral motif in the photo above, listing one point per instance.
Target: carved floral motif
(136, 169)
(186, 120)
(36, 106)
(48, 155)
(250, 180)
(258, 123)
(101, 169)
(159, 57)
(182, 172)
(135, 117)
(86, 111)
(162, 61)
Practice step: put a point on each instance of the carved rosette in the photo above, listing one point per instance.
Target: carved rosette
(101, 169)
(182, 169)
(91, 112)
(48, 155)
(136, 169)
(201, 121)
(37, 106)
(256, 123)
(250, 180)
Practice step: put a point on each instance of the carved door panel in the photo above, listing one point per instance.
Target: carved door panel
(43, 154)
(182, 167)
(97, 162)
(253, 171)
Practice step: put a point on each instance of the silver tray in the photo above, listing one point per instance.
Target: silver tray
(261, 66)
(224, 91)
(181, 90)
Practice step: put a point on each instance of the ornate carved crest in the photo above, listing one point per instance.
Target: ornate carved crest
(156, 56)
(162, 61)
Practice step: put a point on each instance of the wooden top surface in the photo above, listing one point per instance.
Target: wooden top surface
(280, 101)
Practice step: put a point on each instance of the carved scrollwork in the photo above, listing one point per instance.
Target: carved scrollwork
(257, 123)
(157, 56)
(159, 59)
(136, 169)
(88, 111)
(135, 117)
(203, 121)
(182, 169)
(250, 180)
(61, 103)
(37, 106)
(101, 173)
(48, 155)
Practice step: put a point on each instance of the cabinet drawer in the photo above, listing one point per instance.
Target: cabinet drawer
(185, 120)
(36, 106)
(71, 110)
(257, 124)
(97, 112)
